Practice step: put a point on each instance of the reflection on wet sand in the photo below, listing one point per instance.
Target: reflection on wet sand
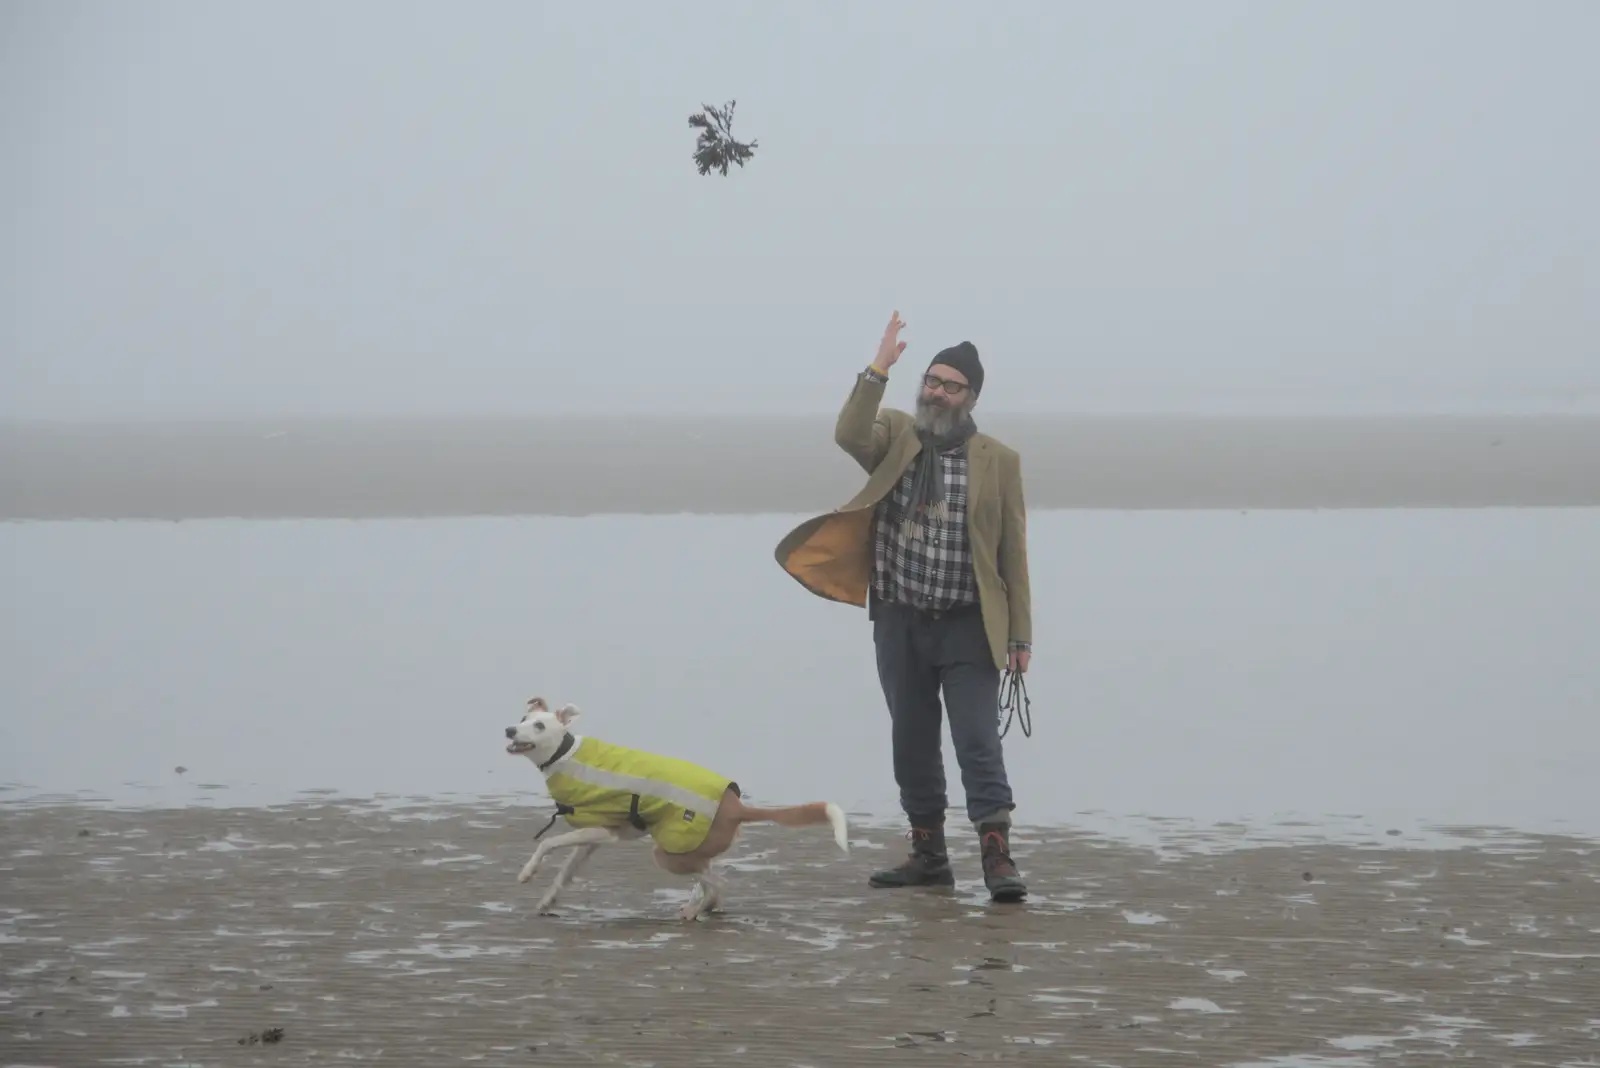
(399, 935)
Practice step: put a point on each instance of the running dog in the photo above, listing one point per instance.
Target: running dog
(610, 793)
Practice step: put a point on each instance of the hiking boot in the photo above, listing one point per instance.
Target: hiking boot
(928, 865)
(1000, 873)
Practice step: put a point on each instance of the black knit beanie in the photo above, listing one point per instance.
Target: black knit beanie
(964, 358)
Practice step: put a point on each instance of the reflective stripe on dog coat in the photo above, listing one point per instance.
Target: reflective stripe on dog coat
(601, 783)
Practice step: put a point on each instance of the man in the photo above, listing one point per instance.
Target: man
(935, 547)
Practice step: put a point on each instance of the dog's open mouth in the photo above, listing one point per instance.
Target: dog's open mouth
(519, 747)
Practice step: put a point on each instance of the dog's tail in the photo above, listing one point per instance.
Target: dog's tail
(803, 816)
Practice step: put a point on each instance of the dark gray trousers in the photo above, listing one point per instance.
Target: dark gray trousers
(918, 656)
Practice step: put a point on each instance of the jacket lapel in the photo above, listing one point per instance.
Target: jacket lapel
(980, 472)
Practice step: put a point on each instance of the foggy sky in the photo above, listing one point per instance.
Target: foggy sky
(383, 207)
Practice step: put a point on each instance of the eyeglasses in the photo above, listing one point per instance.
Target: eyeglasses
(950, 387)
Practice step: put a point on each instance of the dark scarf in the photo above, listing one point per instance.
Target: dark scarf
(927, 481)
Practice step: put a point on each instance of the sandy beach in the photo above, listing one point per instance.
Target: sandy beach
(398, 935)
(440, 467)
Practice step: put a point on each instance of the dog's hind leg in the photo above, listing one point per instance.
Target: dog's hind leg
(565, 874)
(705, 896)
(692, 908)
(714, 886)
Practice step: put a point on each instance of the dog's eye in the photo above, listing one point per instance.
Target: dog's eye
(538, 726)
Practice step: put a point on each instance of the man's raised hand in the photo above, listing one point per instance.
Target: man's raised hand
(890, 348)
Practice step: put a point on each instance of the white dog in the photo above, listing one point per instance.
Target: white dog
(610, 793)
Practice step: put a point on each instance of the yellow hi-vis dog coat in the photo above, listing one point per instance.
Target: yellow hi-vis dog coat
(598, 784)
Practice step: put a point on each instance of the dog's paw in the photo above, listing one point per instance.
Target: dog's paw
(697, 907)
(527, 871)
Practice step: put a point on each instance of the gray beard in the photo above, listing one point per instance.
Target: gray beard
(939, 421)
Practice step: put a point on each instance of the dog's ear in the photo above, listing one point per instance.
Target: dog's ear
(536, 704)
(567, 713)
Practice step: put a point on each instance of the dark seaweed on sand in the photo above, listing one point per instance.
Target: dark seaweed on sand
(269, 1036)
(716, 149)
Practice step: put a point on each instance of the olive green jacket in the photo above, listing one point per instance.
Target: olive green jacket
(831, 554)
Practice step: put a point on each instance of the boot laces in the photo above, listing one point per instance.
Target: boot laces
(996, 855)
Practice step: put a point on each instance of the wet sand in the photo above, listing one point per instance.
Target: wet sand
(569, 466)
(399, 936)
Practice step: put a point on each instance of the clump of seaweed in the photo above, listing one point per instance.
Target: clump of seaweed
(269, 1036)
(716, 149)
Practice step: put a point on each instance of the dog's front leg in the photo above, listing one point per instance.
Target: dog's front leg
(564, 875)
(595, 836)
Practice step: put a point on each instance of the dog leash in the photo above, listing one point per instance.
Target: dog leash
(561, 810)
(1014, 701)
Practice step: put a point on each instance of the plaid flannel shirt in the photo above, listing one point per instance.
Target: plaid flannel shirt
(933, 570)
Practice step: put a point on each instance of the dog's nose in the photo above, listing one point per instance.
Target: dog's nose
(511, 732)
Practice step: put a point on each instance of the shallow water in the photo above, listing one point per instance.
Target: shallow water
(1297, 674)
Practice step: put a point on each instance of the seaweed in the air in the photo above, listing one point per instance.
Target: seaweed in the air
(716, 149)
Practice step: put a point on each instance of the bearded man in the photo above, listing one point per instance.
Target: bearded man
(934, 546)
